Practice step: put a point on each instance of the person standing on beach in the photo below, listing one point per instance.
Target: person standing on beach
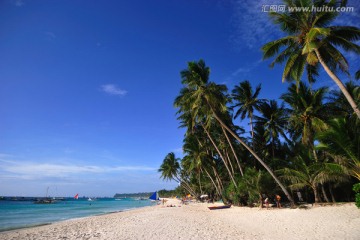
(278, 198)
(267, 203)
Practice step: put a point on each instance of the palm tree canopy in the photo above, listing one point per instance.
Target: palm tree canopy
(342, 141)
(307, 111)
(199, 97)
(274, 118)
(339, 105)
(170, 167)
(308, 31)
(246, 100)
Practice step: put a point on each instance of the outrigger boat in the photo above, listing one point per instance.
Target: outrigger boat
(219, 207)
(46, 200)
(154, 197)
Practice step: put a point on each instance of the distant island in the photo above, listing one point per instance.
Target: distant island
(133, 195)
(162, 193)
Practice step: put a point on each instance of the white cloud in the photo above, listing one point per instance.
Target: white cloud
(33, 170)
(113, 90)
(178, 150)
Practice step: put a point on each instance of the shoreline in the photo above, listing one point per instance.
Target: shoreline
(196, 221)
(26, 214)
(10, 229)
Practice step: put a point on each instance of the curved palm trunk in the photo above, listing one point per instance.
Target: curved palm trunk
(213, 182)
(218, 179)
(339, 83)
(331, 193)
(229, 160)
(222, 157)
(256, 156)
(232, 149)
(316, 194)
(324, 193)
(185, 185)
(252, 129)
(201, 191)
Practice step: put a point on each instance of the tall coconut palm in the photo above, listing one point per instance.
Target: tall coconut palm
(170, 170)
(274, 118)
(208, 100)
(311, 41)
(246, 102)
(308, 113)
(197, 159)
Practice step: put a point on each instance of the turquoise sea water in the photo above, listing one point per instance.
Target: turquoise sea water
(25, 213)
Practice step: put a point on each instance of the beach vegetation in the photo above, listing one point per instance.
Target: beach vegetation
(304, 144)
(356, 189)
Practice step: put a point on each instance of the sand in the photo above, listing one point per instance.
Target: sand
(196, 221)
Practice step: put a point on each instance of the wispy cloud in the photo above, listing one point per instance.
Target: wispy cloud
(252, 27)
(246, 69)
(50, 35)
(113, 90)
(33, 170)
(18, 3)
(350, 18)
(178, 150)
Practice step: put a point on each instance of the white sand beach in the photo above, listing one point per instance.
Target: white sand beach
(196, 221)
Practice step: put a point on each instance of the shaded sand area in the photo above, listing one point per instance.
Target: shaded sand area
(196, 221)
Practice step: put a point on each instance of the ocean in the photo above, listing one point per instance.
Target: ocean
(23, 213)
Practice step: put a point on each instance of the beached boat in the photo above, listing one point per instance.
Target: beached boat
(219, 207)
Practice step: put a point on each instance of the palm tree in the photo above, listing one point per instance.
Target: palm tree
(274, 118)
(197, 159)
(339, 105)
(342, 141)
(170, 170)
(207, 100)
(308, 113)
(305, 172)
(246, 101)
(311, 41)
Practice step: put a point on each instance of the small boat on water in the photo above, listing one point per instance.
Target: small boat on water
(219, 207)
(154, 197)
(46, 200)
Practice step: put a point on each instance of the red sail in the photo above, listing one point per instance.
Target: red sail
(76, 196)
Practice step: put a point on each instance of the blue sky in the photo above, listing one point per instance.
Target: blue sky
(87, 87)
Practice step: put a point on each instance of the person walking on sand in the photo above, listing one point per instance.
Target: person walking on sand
(267, 203)
(278, 198)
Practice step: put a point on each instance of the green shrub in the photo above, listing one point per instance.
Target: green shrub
(356, 189)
